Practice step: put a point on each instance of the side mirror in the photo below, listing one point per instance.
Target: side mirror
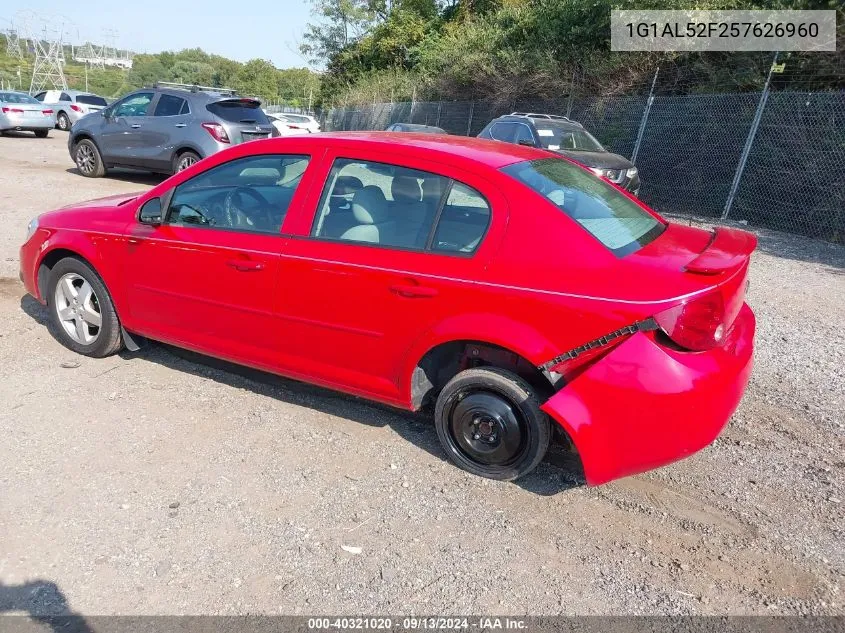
(525, 141)
(151, 212)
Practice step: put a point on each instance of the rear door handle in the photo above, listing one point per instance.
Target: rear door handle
(181, 125)
(135, 126)
(245, 265)
(413, 292)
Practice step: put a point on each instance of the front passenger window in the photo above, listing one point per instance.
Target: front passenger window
(135, 105)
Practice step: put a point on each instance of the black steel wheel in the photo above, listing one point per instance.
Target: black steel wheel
(490, 423)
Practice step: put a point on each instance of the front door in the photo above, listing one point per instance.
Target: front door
(121, 136)
(206, 277)
(392, 249)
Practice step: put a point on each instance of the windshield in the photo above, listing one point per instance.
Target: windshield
(16, 97)
(93, 100)
(608, 215)
(560, 137)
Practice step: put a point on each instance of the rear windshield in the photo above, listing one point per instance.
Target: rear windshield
(93, 100)
(608, 215)
(239, 111)
(16, 97)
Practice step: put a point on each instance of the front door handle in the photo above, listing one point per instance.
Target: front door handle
(245, 265)
(135, 126)
(181, 125)
(412, 291)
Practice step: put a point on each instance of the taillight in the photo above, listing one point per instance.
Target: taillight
(12, 110)
(697, 324)
(217, 131)
(46, 112)
(75, 107)
(295, 127)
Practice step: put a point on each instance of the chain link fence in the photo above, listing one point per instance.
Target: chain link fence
(689, 149)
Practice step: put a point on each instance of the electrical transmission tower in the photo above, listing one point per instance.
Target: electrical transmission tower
(13, 44)
(48, 69)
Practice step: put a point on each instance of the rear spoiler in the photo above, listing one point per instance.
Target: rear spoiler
(728, 249)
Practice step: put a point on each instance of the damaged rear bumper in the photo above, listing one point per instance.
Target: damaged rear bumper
(645, 405)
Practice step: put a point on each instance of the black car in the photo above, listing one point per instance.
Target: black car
(415, 127)
(564, 136)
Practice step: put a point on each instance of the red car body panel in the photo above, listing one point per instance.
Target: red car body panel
(359, 318)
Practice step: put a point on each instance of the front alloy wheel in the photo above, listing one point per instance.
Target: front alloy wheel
(82, 313)
(78, 309)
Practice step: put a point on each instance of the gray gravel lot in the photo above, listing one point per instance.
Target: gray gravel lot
(150, 483)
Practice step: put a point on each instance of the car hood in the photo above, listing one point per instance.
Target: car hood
(605, 160)
(109, 201)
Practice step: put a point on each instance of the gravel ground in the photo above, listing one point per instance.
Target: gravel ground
(154, 484)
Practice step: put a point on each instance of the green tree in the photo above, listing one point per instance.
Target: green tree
(257, 77)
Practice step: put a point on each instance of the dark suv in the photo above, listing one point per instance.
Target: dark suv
(564, 136)
(165, 129)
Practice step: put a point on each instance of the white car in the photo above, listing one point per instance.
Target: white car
(294, 123)
(70, 105)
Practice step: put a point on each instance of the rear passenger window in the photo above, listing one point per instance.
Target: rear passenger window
(168, 105)
(398, 207)
(463, 221)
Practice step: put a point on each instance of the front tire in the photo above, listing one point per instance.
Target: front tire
(63, 122)
(81, 310)
(88, 160)
(490, 423)
(42, 133)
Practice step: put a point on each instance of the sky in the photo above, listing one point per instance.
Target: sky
(267, 30)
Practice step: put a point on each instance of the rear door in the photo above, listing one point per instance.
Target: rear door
(164, 131)
(243, 119)
(355, 297)
(206, 277)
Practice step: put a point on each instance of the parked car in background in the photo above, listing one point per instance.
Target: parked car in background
(303, 121)
(413, 273)
(165, 129)
(414, 127)
(21, 113)
(70, 105)
(564, 136)
(285, 126)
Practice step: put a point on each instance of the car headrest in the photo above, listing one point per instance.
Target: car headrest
(346, 185)
(405, 189)
(369, 205)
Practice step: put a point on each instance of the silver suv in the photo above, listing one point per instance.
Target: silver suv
(165, 129)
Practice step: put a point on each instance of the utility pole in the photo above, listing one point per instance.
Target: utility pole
(761, 105)
(644, 120)
(86, 76)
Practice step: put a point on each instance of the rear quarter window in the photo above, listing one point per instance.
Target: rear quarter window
(608, 215)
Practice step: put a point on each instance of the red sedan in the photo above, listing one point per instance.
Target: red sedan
(504, 286)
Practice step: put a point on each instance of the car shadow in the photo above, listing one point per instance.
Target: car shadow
(127, 175)
(560, 471)
(43, 602)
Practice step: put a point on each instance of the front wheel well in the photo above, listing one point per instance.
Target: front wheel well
(50, 260)
(441, 363)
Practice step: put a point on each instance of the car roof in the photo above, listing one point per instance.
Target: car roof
(559, 122)
(494, 154)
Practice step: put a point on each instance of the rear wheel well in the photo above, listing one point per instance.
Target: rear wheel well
(444, 361)
(50, 260)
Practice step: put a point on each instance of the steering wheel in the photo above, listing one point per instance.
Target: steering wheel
(235, 217)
